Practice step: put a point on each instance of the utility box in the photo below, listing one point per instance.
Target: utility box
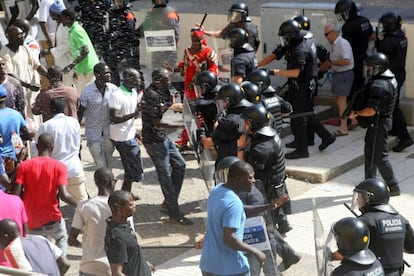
(272, 15)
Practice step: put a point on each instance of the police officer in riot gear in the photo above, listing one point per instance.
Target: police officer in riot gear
(251, 92)
(352, 238)
(265, 154)
(239, 18)
(123, 39)
(244, 58)
(230, 104)
(358, 31)
(275, 104)
(162, 17)
(300, 72)
(391, 233)
(373, 111)
(206, 88)
(392, 42)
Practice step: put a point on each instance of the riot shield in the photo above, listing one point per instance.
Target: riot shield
(322, 251)
(204, 156)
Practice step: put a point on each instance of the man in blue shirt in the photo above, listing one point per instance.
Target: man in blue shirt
(223, 246)
(11, 121)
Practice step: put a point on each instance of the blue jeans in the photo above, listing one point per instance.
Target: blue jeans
(56, 231)
(101, 152)
(269, 267)
(170, 166)
(131, 159)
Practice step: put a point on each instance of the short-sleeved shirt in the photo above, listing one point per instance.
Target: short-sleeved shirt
(41, 178)
(11, 121)
(96, 110)
(44, 16)
(243, 63)
(68, 93)
(34, 253)
(66, 132)
(78, 37)
(12, 207)
(357, 31)
(126, 102)
(121, 247)
(90, 217)
(341, 49)
(22, 63)
(15, 96)
(224, 209)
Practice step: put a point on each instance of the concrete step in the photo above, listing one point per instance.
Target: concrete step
(346, 153)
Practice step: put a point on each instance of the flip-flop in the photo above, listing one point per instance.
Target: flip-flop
(339, 133)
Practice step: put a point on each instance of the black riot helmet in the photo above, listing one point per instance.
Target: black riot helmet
(345, 9)
(238, 13)
(352, 237)
(205, 81)
(389, 22)
(251, 91)
(260, 78)
(372, 193)
(258, 118)
(289, 32)
(228, 96)
(222, 170)
(375, 64)
(237, 38)
(304, 22)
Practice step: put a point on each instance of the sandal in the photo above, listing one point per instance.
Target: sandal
(339, 133)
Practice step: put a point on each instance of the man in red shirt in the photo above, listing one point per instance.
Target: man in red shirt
(44, 180)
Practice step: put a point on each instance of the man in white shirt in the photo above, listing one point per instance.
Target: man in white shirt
(90, 219)
(61, 49)
(341, 60)
(123, 109)
(48, 26)
(67, 137)
(94, 106)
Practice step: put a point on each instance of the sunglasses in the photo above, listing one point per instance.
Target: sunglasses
(328, 33)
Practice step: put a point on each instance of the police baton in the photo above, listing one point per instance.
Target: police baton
(356, 215)
(302, 114)
(202, 20)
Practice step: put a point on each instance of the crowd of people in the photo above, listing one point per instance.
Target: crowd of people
(82, 76)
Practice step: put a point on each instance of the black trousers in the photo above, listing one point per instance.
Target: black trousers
(376, 152)
(399, 124)
(301, 102)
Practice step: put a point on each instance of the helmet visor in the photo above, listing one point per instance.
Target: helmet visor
(220, 176)
(199, 91)
(368, 72)
(359, 200)
(221, 105)
(235, 16)
(284, 41)
(380, 31)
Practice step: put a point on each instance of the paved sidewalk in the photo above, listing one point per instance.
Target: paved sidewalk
(329, 198)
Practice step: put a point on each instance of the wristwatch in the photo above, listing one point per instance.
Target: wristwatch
(240, 148)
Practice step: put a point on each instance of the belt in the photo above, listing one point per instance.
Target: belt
(46, 226)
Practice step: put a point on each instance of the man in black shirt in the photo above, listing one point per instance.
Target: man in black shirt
(121, 246)
(392, 42)
(358, 31)
(168, 161)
